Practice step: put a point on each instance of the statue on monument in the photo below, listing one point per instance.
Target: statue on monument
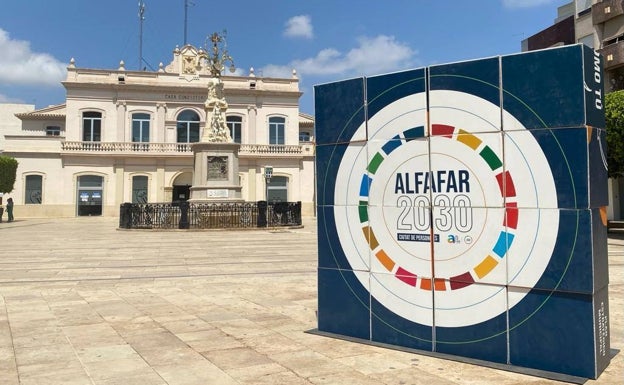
(216, 130)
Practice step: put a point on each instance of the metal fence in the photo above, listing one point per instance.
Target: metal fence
(185, 215)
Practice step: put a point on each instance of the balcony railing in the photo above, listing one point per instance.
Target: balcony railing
(124, 147)
(152, 149)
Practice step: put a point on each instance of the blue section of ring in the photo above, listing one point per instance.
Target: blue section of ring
(392, 145)
(413, 133)
(502, 245)
(366, 182)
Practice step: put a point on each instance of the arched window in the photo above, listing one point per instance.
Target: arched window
(34, 190)
(235, 124)
(277, 128)
(140, 127)
(91, 126)
(188, 127)
(139, 189)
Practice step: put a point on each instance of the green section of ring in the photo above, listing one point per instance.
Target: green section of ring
(363, 211)
(374, 163)
(491, 158)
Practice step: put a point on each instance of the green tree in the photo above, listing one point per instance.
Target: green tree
(8, 171)
(614, 114)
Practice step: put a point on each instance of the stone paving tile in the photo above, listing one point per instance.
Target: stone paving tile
(410, 376)
(39, 337)
(372, 363)
(354, 377)
(281, 378)
(194, 324)
(117, 368)
(209, 340)
(272, 344)
(307, 363)
(44, 354)
(107, 353)
(236, 358)
(54, 372)
(192, 374)
(170, 356)
(92, 335)
(142, 379)
(252, 373)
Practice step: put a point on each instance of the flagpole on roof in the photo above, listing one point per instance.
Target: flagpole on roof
(141, 18)
(187, 4)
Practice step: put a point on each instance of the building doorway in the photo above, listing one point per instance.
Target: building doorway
(182, 187)
(89, 195)
(181, 193)
(277, 189)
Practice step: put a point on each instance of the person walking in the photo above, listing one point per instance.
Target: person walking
(9, 209)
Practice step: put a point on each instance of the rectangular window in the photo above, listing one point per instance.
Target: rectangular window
(139, 189)
(277, 128)
(91, 126)
(53, 130)
(587, 40)
(235, 124)
(140, 127)
(34, 184)
(304, 136)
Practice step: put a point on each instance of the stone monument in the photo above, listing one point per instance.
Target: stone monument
(215, 177)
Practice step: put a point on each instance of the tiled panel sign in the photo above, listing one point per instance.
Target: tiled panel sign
(461, 203)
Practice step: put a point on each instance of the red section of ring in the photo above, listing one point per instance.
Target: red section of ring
(461, 280)
(511, 215)
(406, 276)
(442, 130)
(506, 184)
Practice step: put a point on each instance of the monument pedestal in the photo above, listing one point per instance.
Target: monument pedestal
(216, 173)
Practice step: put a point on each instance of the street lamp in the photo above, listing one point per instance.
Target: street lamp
(268, 173)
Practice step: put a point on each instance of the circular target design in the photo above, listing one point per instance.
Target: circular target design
(445, 215)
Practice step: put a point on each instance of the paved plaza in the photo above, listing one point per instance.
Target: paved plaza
(82, 302)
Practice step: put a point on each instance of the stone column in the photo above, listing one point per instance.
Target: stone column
(159, 124)
(120, 133)
(252, 113)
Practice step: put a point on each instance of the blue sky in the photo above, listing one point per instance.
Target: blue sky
(323, 40)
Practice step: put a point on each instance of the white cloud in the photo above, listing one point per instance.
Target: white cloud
(525, 3)
(299, 26)
(371, 56)
(19, 65)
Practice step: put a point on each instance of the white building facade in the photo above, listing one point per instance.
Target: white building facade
(126, 136)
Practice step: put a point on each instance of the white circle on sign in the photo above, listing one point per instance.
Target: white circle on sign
(446, 211)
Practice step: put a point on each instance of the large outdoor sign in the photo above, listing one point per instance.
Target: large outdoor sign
(462, 210)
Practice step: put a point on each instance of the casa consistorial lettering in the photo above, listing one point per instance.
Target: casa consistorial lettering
(185, 97)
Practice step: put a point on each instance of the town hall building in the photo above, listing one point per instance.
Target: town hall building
(127, 136)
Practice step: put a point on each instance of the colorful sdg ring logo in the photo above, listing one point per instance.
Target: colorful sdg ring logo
(450, 213)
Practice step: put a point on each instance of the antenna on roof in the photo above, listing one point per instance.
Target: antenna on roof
(187, 3)
(141, 18)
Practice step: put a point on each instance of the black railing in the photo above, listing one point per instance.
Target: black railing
(184, 215)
